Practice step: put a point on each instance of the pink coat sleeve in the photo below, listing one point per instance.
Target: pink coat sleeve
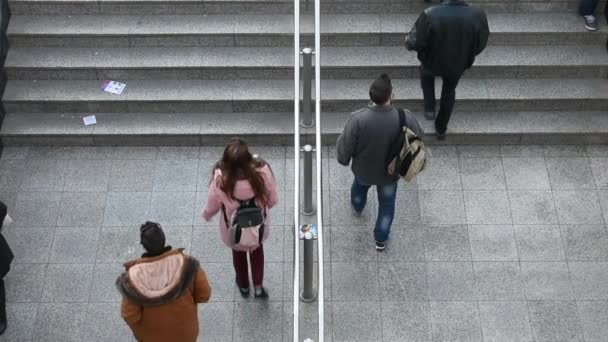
(214, 201)
(271, 187)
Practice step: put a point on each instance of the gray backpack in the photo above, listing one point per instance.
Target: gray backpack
(246, 227)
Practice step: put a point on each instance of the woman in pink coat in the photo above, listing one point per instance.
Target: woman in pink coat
(239, 176)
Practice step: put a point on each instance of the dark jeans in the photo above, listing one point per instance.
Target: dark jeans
(587, 7)
(387, 194)
(448, 97)
(239, 260)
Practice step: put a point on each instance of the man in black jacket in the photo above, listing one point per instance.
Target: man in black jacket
(6, 257)
(447, 38)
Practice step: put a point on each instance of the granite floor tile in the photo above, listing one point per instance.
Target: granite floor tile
(526, 173)
(30, 245)
(208, 247)
(578, 207)
(447, 243)
(132, 175)
(440, 174)
(82, 209)
(451, 281)
(87, 175)
(108, 326)
(135, 152)
(478, 151)
(532, 207)
(565, 151)
(603, 195)
(505, 321)
(216, 322)
(555, 321)
(221, 277)
(442, 151)
(403, 281)
(442, 207)
(178, 152)
(407, 245)
(570, 173)
(274, 283)
(340, 177)
(364, 274)
(205, 172)
(179, 237)
(356, 321)
(277, 166)
(119, 244)
(11, 174)
(590, 280)
(60, 322)
(44, 175)
(499, 281)
(341, 212)
(407, 210)
(249, 316)
(539, 243)
(176, 175)
(487, 207)
(597, 150)
(594, 320)
(21, 318)
(172, 208)
(585, 242)
(36, 209)
(24, 283)
(353, 244)
(406, 321)
(599, 166)
(126, 208)
(67, 283)
(15, 152)
(455, 321)
(103, 288)
(75, 245)
(522, 151)
(547, 281)
(482, 174)
(493, 243)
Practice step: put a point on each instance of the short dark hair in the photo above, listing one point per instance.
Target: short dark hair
(381, 90)
(152, 238)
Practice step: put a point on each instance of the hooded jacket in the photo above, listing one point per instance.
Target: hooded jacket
(242, 191)
(448, 37)
(160, 296)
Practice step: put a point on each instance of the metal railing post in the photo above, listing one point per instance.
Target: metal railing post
(308, 294)
(307, 118)
(309, 208)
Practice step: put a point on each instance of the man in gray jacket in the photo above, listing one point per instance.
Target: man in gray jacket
(366, 140)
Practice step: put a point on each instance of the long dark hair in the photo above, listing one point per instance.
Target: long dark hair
(237, 164)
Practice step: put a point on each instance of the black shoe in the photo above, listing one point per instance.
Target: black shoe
(430, 115)
(243, 290)
(261, 293)
(441, 136)
(3, 327)
(380, 246)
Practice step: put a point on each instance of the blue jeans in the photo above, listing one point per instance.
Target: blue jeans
(587, 7)
(387, 194)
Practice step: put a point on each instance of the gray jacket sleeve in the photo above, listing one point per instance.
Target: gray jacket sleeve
(412, 123)
(347, 141)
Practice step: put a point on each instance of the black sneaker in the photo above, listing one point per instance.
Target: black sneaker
(243, 290)
(380, 246)
(590, 23)
(430, 115)
(261, 293)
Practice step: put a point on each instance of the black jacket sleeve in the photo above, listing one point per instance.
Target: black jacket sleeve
(418, 38)
(483, 34)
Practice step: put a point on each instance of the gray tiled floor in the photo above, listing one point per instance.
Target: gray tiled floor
(491, 243)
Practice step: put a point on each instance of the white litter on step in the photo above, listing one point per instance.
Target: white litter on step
(113, 87)
(89, 120)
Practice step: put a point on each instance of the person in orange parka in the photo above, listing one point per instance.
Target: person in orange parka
(161, 291)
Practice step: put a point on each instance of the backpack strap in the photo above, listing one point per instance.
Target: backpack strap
(402, 121)
(225, 216)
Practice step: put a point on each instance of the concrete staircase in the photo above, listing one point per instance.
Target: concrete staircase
(198, 72)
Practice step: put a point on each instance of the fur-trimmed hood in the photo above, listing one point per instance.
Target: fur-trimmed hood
(157, 280)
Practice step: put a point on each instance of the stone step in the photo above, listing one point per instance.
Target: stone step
(174, 96)
(145, 7)
(56, 129)
(277, 30)
(277, 63)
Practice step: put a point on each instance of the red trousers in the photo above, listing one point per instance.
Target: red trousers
(239, 260)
